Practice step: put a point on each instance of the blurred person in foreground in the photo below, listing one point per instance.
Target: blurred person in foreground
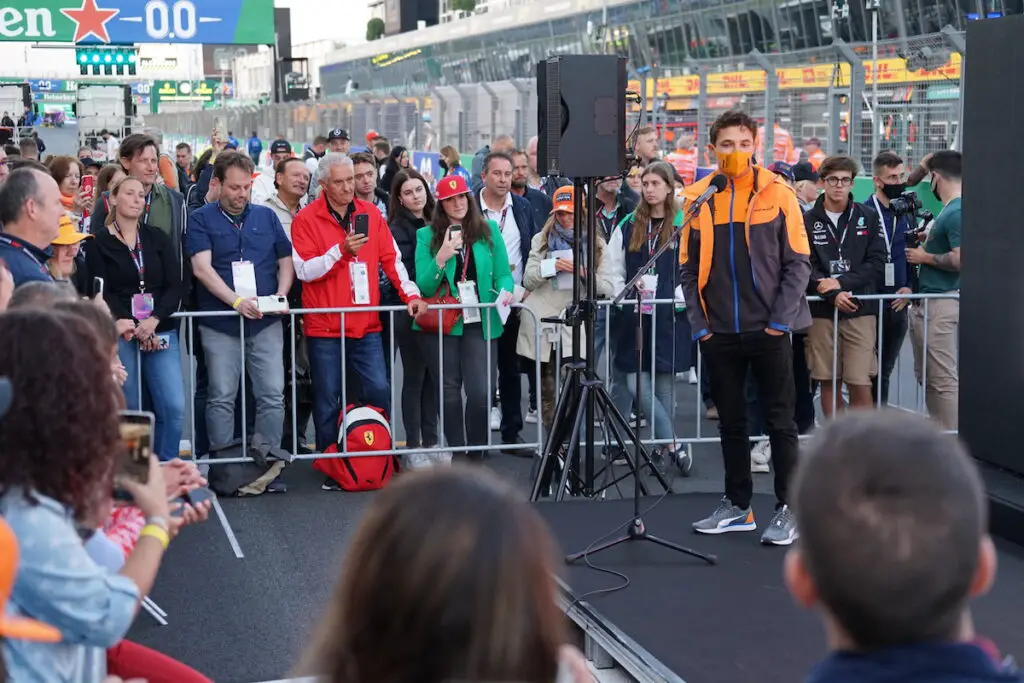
(480, 606)
(893, 546)
(14, 627)
(61, 494)
(30, 211)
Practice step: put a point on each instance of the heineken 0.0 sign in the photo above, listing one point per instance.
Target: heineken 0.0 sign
(136, 21)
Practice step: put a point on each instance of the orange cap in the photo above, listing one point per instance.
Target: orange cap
(17, 628)
(68, 232)
(563, 199)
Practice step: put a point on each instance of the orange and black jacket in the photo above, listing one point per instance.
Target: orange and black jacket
(745, 258)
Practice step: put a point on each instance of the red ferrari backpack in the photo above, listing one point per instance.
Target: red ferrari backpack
(364, 429)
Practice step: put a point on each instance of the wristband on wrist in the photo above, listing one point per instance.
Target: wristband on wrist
(153, 531)
(237, 301)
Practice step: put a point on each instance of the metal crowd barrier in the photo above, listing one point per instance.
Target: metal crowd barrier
(189, 319)
(605, 371)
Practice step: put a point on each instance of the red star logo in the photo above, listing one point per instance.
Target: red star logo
(90, 20)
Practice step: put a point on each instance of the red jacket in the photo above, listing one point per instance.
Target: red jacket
(323, 267)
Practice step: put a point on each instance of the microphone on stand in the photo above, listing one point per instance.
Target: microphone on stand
(718, 184)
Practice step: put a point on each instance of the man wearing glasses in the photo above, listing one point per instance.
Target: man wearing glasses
(848, 258)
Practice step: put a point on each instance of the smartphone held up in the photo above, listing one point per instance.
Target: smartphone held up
(137, 438)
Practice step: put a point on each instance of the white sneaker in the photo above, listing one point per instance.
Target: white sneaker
(417, 461)
(531, 416)
(760, 455)
(693, 376)
(442, 459)
(495, 418)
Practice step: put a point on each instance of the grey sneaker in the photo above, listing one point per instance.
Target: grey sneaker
(782, 529)
(726, 517)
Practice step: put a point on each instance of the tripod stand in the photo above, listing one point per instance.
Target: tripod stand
(637, 531)
(583, 395)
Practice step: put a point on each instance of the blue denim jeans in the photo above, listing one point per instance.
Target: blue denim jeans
(365, 359)
(659, 411)
(158, 375)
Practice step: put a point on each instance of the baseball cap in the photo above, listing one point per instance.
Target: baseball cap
(783, 169)
(563, 199)
(278, 146)
(18, 628)
(231, 144)
(451, 186)
(89, 162)
(68, 232)
(338, 134)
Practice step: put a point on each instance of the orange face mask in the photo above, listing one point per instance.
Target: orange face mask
(734, 164)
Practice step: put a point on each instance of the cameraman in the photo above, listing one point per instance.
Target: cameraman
(939, 261)
(897, 220)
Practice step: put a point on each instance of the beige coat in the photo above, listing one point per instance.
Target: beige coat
(547, 302)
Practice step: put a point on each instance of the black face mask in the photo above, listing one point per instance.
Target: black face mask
(893, 190)
(935, 191)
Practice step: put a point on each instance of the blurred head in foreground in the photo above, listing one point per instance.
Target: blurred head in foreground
(893, 533)
(449, 577)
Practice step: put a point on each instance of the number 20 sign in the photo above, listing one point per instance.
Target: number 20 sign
(134, 21)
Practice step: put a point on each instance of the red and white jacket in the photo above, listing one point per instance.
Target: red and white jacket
(323, 267)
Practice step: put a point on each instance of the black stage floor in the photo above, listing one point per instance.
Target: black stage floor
(734, 621)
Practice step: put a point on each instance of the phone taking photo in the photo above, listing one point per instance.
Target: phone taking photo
(88, 184)
(362, 224)
(97, 287)
(137, 437)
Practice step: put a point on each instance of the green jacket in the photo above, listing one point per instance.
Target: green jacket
(493, 274)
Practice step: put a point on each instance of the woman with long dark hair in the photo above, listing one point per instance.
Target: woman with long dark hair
(632, 244)
(143, 289)
(479, 607)
(411, 208)
(469, 263)
(60, 449)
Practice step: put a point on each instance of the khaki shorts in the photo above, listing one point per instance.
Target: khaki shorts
(857, 361)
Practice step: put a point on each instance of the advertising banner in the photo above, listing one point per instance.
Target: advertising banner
(92, 22)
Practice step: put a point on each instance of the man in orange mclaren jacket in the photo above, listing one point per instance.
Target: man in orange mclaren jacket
(745, 265)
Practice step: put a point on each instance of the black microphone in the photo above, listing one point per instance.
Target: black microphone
(718, 184)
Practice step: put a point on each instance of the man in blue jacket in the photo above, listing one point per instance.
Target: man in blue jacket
(514, 217)
(255, 147)
(893, 546)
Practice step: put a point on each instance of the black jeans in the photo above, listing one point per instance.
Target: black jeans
(510, 382)
(894, 331)
(460, 364)
(771, 360)
(420, 392)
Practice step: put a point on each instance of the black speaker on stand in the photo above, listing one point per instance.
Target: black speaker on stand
(581, 116)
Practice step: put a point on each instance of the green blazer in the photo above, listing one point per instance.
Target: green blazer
(493, 274)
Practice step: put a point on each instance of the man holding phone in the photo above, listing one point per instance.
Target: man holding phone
(848, 257)
(339, 244)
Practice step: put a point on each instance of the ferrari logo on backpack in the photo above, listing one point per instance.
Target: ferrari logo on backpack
(368, 437)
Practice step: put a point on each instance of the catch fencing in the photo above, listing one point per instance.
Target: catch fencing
(913, 106)
(685, 390)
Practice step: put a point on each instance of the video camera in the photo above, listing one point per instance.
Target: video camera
(915, 236)
(906, 203)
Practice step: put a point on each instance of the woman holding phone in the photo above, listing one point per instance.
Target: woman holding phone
(463, 255)
(143, 288)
